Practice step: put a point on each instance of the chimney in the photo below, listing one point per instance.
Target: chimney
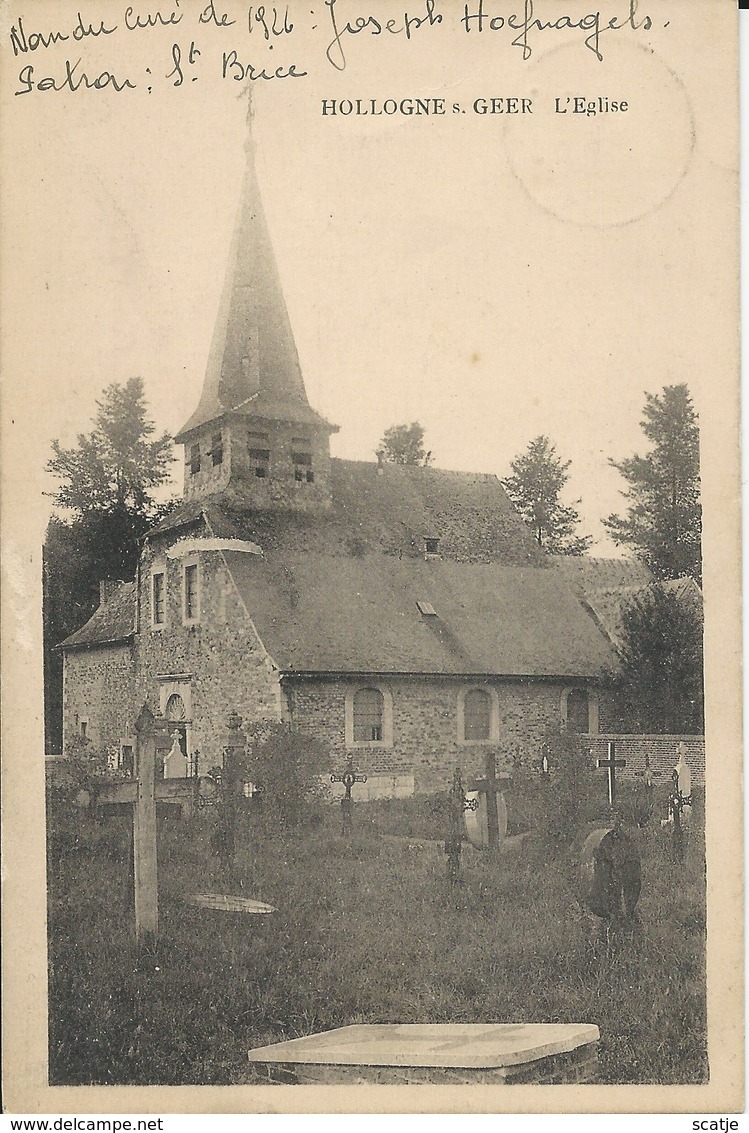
(107, 587)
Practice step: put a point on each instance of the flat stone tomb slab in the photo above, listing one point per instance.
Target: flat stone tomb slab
(226, 903)
(469, 1046)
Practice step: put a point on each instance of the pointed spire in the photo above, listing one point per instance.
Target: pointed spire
(253, 366)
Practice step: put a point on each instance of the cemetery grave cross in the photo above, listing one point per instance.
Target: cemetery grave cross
(611, 764)
(491, 786)
(230, 790)
(348, 778)
(453, 842)
(153, 741)
(140, 795)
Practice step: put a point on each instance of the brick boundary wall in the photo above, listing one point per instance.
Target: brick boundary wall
(662, 751)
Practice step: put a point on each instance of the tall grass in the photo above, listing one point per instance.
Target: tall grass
(367, 930)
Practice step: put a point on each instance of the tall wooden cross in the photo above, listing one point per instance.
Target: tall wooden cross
(454, 839)
(141, 792)
(611, 764)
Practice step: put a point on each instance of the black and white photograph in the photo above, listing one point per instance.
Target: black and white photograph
(371, 670)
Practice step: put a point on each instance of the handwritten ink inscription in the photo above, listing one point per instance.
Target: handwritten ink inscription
(320, 32)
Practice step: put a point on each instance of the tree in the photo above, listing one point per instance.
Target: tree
(659, 686)
(106, 485)
(664, 519)
(404, 444)
(538, 477)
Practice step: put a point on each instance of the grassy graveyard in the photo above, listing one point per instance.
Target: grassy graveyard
(367, 930)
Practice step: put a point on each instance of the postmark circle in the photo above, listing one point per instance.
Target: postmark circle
(585, 159)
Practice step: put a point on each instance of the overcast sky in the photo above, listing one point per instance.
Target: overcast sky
(493, 277)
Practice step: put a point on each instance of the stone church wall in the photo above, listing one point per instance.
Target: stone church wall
(217, 665)
(97, 693)
(425, 722)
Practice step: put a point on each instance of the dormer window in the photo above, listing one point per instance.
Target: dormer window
(259, 453)
(301, 458)
(431, 547)
(217, 449)
(194, 459)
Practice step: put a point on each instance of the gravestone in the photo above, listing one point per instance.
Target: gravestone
(436, 1053)
(610, 874)
(610, 871)
(486, 823)
(176, 763)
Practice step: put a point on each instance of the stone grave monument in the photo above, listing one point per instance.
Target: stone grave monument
(436, 1053)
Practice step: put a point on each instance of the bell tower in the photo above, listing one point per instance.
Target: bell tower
(254, 433)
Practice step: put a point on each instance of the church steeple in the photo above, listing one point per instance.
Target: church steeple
(254, 428)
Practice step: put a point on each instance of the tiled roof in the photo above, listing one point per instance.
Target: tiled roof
(337, 590)
(362, 615)
(391, 511)
(594, 574)
(113, 621)
(608, 606)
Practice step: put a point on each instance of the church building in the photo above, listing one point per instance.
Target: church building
(402, 615)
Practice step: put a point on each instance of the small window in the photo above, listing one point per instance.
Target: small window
(84, 729)
(127, 760)
(191, 600)
(158, 598)
(477, 715)
(427, 608)
(217, 449)
(369, 706)
(259, 453)
(301, 452)
(194, 459)
(301, 458)
(431, 546)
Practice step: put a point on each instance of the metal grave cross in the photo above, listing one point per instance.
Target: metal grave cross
(491, 786)
(611, 764)
(348, 778)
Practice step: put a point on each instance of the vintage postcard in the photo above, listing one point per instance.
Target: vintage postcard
(371, 548)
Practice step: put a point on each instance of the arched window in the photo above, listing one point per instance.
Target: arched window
(580, 710)
(175, 707)
(369, 708)
(477, 715)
